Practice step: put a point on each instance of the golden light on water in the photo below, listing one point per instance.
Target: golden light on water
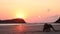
(20, 28)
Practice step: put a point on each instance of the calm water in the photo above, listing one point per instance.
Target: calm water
(26, 29)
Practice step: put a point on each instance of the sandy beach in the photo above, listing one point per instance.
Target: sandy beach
(26, 29)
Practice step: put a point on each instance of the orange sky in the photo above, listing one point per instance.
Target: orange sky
(30, 10)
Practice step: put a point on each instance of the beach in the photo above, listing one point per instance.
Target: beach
(26, 29)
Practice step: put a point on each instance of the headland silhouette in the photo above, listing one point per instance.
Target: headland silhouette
(17, 20)
(58, 20)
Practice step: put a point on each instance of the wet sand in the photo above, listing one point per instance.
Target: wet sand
(27, 29)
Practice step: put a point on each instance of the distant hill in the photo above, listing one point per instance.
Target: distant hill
(58, 20)
(17, 20)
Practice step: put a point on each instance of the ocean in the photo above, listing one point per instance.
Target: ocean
(30, 28)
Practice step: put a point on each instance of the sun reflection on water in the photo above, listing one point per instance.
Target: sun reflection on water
(20, 28)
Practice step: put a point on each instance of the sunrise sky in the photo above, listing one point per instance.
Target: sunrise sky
(30, 10)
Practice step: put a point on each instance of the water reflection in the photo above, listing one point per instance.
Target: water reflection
(12, 29)
(23, 29)
(20, 28)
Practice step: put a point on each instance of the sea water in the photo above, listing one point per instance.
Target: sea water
(35, 28)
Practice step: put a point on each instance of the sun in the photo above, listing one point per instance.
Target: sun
(39, 16)
(20, 15)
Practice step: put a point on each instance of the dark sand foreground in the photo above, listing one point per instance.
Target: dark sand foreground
(26, 29)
